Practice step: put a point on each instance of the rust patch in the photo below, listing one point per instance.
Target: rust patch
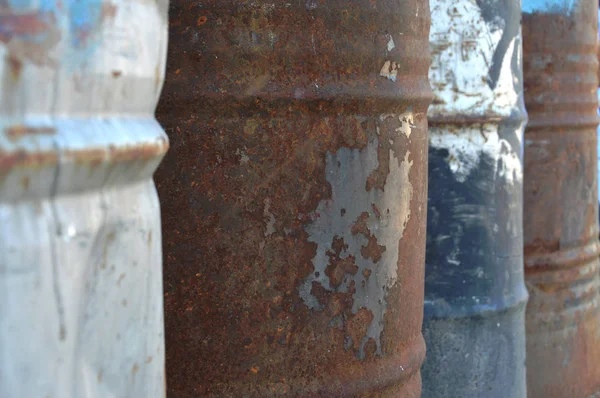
(157, 78)
(17, 132)
(357, 326)
(29, 37)
(113, 154)
(116, 73)
(109, 10)
(372, 250)
(24, 159)
(201, 20)
(338, 267)
(16, 67)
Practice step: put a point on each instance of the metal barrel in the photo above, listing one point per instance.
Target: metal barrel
(474, 322)
(294, 197)
(80, 238)
(560, 198)
(598, 96)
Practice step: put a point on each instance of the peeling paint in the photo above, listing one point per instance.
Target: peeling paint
(354, 215)
(468, 144)
(390, 70)
(270, 218)
(407, 124)
(391, 45)
(257, 127)
(464, 44)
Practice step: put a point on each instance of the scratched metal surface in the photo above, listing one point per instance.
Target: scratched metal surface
(561, 211)
(294, 197)
(475, 296)
(80, 239)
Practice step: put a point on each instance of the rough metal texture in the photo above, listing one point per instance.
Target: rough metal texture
(598, 128)
(80, 252)
(294, 197)
(561, 220)
(475, 295)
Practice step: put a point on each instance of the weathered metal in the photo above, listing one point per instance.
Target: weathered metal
(598, 95)
(561, 219)
(294, 197)
(80, 239)
(474, 323)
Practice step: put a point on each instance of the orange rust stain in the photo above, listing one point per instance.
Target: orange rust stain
(372, 250)
(23, 159)
(18, 131)
(113, 154)
(17, 33)
(15, 66)
(109, 11)
(22, 25)
(157, 77)
(201, 20)
(358, 325)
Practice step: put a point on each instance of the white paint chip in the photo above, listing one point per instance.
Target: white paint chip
(390, 70)
(391, 45)
(466, 146)
(407, 124)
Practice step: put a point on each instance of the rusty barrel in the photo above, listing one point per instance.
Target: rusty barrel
(560, 198)
(80, 238)
(294, 197)
(474, 322)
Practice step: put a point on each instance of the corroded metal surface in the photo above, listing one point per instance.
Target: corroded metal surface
(561, 219)
(598, 96)
(475, 295)
(294, 197)
(80, 239)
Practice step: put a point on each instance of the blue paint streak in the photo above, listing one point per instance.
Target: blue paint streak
(549, 6)
(41, 6)
(85, 17)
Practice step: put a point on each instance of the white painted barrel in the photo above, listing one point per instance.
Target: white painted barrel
(81, 309)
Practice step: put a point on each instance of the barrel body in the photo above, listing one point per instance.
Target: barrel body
(598, 96)
(294, 197)
(475, 296)
(561, 220)
(80, 238)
